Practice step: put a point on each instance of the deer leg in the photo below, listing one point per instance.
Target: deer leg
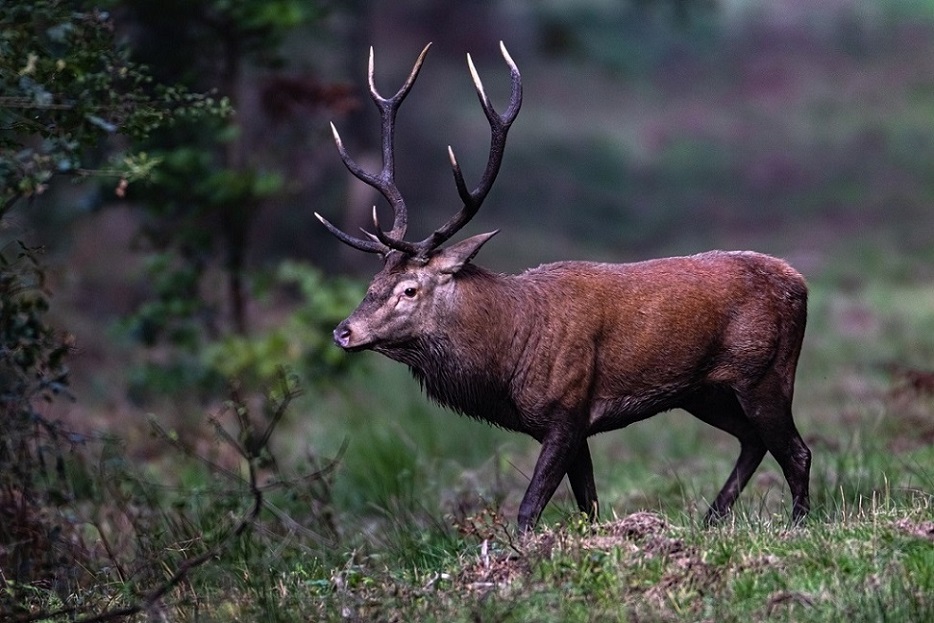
(751, 454)
(722, 410)
(580, 475)
(559, 451)
(769, 410)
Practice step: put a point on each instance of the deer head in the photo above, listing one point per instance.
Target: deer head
(416, 277)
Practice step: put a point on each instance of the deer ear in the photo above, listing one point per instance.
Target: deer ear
(451, 259)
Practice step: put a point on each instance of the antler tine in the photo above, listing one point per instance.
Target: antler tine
(499, 127)
(405, 88)
(370, 246)
(384, 181)
(388, 109)
(358, 171)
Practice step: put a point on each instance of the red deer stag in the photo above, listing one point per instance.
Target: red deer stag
(570, 349)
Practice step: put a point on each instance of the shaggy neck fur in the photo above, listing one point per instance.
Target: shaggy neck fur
(453, 362)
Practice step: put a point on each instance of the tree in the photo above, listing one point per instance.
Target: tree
(67, 89)
(200, 206)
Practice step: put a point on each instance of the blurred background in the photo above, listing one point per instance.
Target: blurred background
(648, 128)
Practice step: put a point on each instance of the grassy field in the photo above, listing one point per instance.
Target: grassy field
(417, 520)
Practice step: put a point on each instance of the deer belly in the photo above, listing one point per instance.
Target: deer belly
(613, 413)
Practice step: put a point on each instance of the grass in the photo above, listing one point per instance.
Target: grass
(872, 563)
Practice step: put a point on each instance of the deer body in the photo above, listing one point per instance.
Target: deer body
(570, 349)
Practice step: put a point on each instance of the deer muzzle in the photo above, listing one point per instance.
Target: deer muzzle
(349, 339)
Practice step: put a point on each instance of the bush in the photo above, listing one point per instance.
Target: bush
(32, 372)
(301, 341)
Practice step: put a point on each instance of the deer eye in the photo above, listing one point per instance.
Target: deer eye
(410, 292)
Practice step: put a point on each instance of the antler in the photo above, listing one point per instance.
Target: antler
(383, 242)
(384, 181)
(499, 126)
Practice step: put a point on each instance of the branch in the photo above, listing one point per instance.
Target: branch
(251, 450)
(150, 598)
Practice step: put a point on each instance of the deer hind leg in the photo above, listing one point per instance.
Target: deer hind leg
(580, 475)
(768, 405)
(721, 409)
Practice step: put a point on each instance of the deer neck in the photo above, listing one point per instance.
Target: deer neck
(466, 363)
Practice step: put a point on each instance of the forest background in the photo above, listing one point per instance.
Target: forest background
(182, 439)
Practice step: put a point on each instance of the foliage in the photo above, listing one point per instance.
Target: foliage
(199, 207)
(67, 88)
(301, 341)
(32, 371)
(254, 28)
(31, 353)
(146, 542)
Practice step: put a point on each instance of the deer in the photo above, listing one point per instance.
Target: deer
(571, 349)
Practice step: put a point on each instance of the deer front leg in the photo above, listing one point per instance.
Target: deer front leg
(559, 450)
(580, 475)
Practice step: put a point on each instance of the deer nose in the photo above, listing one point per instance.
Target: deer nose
(342, 334)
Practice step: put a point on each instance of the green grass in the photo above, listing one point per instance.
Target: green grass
(872, 563)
